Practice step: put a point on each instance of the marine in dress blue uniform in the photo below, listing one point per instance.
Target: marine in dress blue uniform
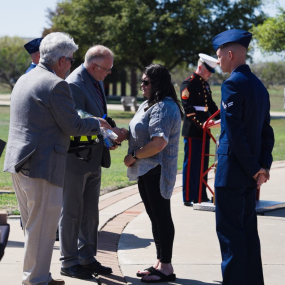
(246, 144)
(198, 104)
(32, 48)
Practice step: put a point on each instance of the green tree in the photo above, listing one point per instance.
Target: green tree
(143, 31)
(270, 35)
(270, 73)
(14, 60)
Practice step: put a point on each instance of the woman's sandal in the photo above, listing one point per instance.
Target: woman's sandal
(163, 277)
(150, 269)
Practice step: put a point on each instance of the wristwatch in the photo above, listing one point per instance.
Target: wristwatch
(134, 154)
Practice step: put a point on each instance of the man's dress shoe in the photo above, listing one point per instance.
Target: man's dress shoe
(76, 271)
(97, 267)
(56, 282)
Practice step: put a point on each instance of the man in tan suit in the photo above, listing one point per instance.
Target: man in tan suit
(43, 117)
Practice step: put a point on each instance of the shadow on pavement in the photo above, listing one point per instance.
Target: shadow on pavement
(276, 213)
(110, 280)
(178, 281)
(127, 241)
(130, 241)
(18, 244)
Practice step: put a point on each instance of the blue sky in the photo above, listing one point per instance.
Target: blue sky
(24, 18)
(27, 18)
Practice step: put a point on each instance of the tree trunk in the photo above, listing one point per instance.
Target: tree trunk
(107, 88)
(123, 82)
(134, 90)
(114, 87)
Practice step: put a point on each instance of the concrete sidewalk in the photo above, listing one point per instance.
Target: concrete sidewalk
(126, 244)
(196, 252)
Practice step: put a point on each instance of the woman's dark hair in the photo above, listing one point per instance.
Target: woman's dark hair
(161, 85)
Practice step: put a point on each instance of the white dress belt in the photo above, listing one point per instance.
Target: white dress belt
(201, 108)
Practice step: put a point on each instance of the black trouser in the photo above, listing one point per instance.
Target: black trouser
(159, 213)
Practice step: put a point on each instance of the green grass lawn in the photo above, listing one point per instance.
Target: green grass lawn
(9, 203)
(5, 88)
(5, 178)
(116, 175)
(276, 97)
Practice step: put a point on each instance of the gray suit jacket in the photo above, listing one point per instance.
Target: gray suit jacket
(86, 98)
(42, 119)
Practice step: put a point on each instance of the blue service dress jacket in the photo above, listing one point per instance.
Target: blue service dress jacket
(246, 139)
(32, 66)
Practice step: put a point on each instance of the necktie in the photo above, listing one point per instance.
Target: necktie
(96, 84)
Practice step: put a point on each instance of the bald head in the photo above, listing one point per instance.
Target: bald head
(237, 49)
(35, 56)
(230, 56)
(99, 62)
(97, 53)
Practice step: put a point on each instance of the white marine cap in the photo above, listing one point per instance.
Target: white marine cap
(209, 62)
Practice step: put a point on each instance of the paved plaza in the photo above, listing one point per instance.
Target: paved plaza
(126, 244)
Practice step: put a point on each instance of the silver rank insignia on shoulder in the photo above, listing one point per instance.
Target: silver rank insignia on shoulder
(225, 106)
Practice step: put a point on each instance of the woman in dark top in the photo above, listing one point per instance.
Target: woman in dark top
(152, 156)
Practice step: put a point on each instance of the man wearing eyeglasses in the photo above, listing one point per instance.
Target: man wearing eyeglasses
(42, 118)
(80, 214)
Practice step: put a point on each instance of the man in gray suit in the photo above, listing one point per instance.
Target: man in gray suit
(78, 228)
(42, 118)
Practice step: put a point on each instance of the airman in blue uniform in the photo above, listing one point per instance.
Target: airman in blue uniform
(244, 159)
(32, 48)
(197, 101)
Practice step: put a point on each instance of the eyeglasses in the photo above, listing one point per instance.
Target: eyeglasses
(107, 70)
(145, 82)
(69, 58)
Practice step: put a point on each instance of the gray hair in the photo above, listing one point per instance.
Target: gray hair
(97, 52)
(56, 45)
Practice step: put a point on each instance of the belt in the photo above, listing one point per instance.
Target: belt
(201, 108)
(84, 138)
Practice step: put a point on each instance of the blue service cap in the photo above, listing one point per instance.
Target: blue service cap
(33, 46)
(232, 36)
